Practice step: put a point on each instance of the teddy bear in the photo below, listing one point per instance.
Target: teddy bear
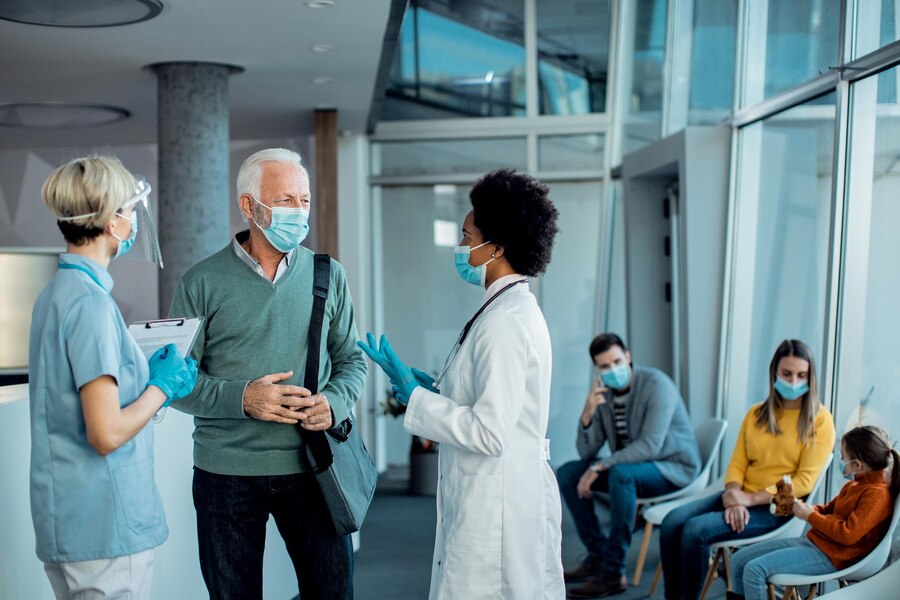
(783, 503)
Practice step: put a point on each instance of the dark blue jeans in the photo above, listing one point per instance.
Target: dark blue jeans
(624, 484)
(232, 512)
(687, 533)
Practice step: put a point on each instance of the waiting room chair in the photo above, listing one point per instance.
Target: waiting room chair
(709, 439)
(793, 528)
(658, 512)
(884, 584)
(863, 569)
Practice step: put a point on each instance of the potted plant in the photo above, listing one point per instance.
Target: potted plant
(423, 454)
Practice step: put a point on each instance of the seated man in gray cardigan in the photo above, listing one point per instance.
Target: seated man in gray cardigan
(639, 412)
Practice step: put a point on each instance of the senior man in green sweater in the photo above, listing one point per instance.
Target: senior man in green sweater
(256, 297)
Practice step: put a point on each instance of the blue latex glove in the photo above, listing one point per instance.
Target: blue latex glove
(423, 379)
(172, 373)
(187, 383)
(400, 375)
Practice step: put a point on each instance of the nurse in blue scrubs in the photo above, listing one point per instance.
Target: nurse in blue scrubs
(96, 510)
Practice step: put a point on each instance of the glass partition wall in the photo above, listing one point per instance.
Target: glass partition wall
(565, 89)
(812, 209)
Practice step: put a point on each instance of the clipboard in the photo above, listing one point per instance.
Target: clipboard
(153, 335)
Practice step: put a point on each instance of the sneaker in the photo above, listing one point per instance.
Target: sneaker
(590, 566)
(607, 584)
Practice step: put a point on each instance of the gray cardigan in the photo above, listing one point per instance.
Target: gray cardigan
(658, 426)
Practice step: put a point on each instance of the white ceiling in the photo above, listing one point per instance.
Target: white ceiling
(270, 39)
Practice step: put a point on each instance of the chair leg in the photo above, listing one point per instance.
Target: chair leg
(642, 555)
(771, 589)
(726, 556)
(711, 574)
(656, 579)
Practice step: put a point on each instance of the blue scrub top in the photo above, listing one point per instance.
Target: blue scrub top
(86, 506)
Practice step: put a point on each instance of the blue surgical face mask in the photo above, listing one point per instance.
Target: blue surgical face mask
(843, 467)
(470, 274)
(126, 244)
(288, 228)
(617, 377)
(791, 391)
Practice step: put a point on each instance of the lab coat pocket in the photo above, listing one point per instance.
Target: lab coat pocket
(138, 497)
(479, 513)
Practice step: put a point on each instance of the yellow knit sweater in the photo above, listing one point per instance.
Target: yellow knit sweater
(760, 458)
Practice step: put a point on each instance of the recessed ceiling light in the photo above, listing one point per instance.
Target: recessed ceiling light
(322, 80)
(320, 3)
(322, 48)
(59, 114)
(96, 13)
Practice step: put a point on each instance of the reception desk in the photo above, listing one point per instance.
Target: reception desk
(177, 570)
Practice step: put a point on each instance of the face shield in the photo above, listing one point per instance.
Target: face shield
(137, 209)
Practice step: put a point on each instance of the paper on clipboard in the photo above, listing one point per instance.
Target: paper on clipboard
(153, 335)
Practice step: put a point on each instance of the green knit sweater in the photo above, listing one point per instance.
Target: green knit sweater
(254, 327)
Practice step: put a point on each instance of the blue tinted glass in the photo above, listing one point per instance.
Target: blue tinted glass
(573, 56)
(458, 58)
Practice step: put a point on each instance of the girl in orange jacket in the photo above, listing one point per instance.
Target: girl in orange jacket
(842, 531)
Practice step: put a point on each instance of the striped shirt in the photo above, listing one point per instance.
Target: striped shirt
(621, 422)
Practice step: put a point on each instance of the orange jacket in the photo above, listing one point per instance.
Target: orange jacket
(850, 526)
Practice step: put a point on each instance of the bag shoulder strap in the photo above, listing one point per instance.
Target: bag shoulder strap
(321, 278)
(318, 451)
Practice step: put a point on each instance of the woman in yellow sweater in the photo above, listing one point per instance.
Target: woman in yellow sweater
(790, 433)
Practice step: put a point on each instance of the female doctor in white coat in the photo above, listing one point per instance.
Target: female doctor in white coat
(498, 529)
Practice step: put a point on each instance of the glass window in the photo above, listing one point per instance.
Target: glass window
(448, 156)
(412, 258)
(869, 369)
(712, 61)
(800, 39)
(458, 58)
(571, 152)
(573, 56)
(877, 25)
(643, 109)
(568, 293)
(781, 247)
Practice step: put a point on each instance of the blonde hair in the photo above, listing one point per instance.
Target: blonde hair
(91, 189)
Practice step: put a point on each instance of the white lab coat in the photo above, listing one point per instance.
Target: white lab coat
(498, 528)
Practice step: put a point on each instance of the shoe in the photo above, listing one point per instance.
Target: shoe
(607, 584)
(733, 596)
(590, 566)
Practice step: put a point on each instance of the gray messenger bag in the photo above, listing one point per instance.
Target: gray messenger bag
(339, 459)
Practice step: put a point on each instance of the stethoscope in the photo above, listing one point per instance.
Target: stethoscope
(465, 332)
(84, 270)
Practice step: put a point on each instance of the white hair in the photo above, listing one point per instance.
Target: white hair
(251, 171)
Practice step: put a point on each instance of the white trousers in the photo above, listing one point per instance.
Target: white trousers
(121, 578)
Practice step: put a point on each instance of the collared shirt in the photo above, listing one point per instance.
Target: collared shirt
(251, 262)
(500, 284)
(86, 506)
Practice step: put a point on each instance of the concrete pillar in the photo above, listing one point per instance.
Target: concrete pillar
(192, 190)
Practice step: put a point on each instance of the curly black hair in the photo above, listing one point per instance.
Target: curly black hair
(514, 210)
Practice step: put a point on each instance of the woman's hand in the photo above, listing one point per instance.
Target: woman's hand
(735, 497)
(585, 483)
(737, 517)
(802, 510)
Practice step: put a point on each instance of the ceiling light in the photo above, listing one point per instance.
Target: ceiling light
(59, 114)
(322, 48)
(85, 13)
(322, 80)
(320, 3)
